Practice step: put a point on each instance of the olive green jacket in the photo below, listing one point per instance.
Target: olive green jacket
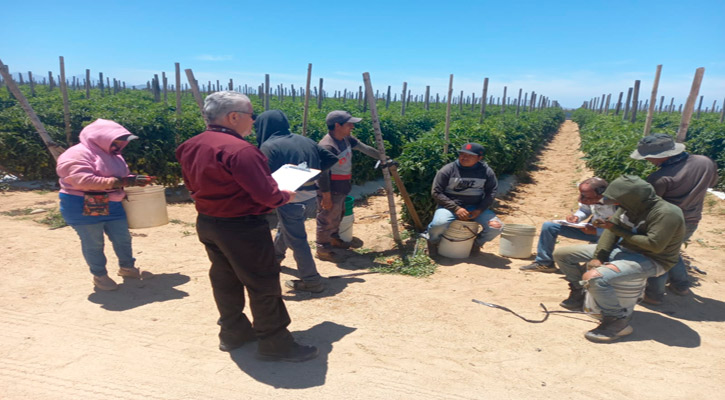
(645, 222)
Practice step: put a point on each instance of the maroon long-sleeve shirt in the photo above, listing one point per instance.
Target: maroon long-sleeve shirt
(228, 177)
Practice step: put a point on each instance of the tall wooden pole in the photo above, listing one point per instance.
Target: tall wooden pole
(403, 97)
(653, 98)
(177, 67)
(448, 114)
(484, 98)
(195, 90)
(54, 148)
(66, 105)
(307, 100)
(381, 150)
(626, 105)
(690, 105)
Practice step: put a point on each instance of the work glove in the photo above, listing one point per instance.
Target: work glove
(133, 180)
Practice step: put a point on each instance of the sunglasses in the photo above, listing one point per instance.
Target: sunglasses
(251, 114)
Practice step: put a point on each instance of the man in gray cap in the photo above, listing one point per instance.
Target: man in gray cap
(682, 179)
(335, 184)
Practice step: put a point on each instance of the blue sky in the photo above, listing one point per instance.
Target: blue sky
(567, 50)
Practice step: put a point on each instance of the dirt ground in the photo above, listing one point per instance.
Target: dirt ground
(380, 336)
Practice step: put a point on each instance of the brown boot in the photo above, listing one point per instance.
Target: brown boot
(104, 282)
(335, 242)
(134, 273)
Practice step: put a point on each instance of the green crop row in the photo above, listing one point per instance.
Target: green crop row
(607, 141)
(510, 142)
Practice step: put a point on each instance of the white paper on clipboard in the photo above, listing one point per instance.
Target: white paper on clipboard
(571, 224)
(291, 177)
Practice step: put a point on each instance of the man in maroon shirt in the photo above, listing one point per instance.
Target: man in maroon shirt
(231, 185)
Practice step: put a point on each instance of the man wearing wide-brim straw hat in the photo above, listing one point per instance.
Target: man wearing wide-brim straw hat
(682, 179)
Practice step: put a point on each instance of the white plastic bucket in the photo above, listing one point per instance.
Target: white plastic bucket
(457, 240)
(517, 240)
(145, 206)
(628, 292)
(346, 228)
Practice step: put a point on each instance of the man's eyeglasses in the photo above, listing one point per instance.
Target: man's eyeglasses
(251, 114)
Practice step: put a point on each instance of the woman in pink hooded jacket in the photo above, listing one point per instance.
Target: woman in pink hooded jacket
(92, 176)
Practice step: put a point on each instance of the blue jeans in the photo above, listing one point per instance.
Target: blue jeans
(631, 266)
(443, 218)
(92, 243)
(677, 274)
(291, 233)
(547, 240)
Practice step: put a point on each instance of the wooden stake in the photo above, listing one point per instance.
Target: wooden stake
(503, 100)
(177, 69)
(266, 92)
(307, 100)
(690, 105)
(635, 100)
(427, 98)
(381, 150)
(653, 98)
(699, 106)
(66, 106)
(32, 83)
(320, 95)
(402, 98)
(626, 105)
(195, 90)
(448, 114)
(484, 98)
(54, 148)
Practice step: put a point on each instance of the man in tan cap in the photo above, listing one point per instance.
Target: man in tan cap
(682, 179)
(335, 184)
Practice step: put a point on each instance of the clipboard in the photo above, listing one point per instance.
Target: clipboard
(571, 224)
(291, 177)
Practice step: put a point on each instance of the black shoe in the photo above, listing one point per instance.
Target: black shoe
(229, 343)
(314, 287)
(611, 329)
(537, 267)
(475, 250)
(294, 353)
(575, 301)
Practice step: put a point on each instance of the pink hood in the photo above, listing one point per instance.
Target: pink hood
(89, 166)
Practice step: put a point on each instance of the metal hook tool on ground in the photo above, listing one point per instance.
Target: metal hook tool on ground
(526, 319)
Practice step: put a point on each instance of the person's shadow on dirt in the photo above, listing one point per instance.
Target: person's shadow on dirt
(134, 293)
(483, 259)
(691, 308)
(657, 327)
(294, 375)
(334, 285)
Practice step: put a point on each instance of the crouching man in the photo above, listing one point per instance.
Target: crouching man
(464, 190)
(651, 232)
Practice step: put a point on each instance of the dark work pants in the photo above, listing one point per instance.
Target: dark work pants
(242, 255)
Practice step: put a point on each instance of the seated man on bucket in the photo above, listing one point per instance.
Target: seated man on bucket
(641, 240)
(590, 204)
(464, 189)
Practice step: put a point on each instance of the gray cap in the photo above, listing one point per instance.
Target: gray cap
(340, 117)
(657, 145)
(127, 138)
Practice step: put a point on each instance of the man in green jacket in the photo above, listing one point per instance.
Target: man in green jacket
(651, 232)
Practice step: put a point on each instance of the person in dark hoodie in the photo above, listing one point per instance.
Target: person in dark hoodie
(641, 240)
(283, 147)
(682, 179)
(464, 189)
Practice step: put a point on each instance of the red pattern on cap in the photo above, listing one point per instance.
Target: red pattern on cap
(468, 146)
